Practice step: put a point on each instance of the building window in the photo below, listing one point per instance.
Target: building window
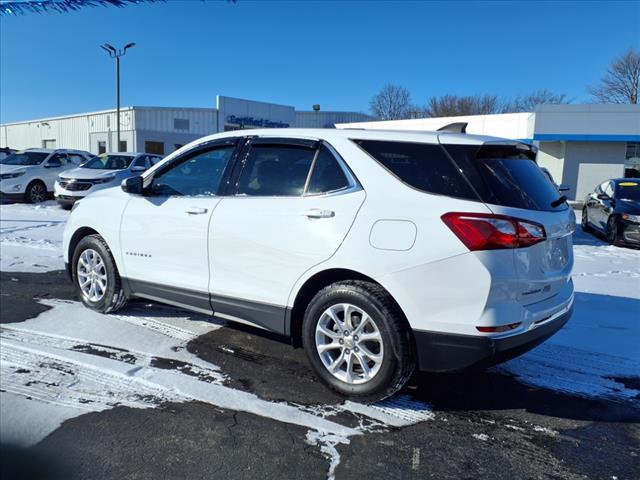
(102, 148)
(154, 147)
(181, 123)
(123, 146)
(632, 160)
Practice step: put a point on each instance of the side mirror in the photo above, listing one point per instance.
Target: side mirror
(563, 187)
(132, 185)
(53, 163)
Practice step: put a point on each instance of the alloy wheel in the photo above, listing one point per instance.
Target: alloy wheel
(92, 275)
(37, 193)
(349, 343)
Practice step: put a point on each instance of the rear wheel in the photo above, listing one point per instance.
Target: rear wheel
(584, 222)
(36, 192)
(613, 234)
(96, 276)
(357, 340)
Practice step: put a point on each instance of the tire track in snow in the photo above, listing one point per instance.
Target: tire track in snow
(88, 376)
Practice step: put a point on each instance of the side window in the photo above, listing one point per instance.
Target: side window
(141, 161)
(275, 170)
(198, 174)
(58, 157)
(608, 189)
(327, 175)
(76, 158)
(423, 166)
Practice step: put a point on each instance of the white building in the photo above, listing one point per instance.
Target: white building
(161, 129)
(581, 145)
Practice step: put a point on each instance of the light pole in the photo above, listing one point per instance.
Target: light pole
(113, 53)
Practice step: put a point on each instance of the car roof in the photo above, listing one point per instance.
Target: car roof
(124, 154)
(52, 150)
(618, 180)
(360, 134)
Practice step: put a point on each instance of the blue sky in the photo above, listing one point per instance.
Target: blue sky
(335, 53)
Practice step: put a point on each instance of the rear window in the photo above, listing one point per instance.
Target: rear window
(421, 165)
(506, 175)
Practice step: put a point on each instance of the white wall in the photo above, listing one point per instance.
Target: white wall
(587, 164)
(517, 126)
(551, 156)
(595, 121)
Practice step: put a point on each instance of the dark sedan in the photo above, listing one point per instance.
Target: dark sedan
(613, 209)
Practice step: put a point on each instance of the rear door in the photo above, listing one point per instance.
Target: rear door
(510, 183)
(291, 205)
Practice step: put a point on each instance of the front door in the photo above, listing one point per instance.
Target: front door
(164, 233)
(293, 204)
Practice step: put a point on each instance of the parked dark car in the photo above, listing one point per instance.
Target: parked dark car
(613, 209)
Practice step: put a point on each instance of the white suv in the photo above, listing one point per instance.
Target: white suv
(30, 174)
(104, 171)
(375, 250)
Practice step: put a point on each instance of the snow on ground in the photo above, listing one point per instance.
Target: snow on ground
(69, 360)
(31, 237)
(598, 349)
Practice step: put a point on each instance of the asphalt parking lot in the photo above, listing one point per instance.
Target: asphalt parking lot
(484, 425)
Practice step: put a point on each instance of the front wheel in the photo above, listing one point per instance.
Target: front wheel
(96, 276)
(358, 341)
(613, 234)
(36, 192)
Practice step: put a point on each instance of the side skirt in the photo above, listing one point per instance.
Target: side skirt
(266, 316)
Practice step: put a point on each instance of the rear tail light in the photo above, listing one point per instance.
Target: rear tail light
(500, 329)
(480, 231)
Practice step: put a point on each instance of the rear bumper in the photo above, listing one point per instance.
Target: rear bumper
(446, 352)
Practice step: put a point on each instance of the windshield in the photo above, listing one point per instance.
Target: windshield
(109, 162)
(628, 191)
(25, 158)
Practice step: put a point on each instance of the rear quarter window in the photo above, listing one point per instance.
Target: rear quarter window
(423, 166)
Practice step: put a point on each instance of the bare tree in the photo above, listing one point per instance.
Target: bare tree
(527, 103)
(620, 82)
(391, 103)
(453, 105)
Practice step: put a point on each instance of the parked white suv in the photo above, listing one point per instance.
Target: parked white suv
(104, 171)
(30, 174)
(375, 250)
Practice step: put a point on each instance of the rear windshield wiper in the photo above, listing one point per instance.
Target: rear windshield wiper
(559, 201)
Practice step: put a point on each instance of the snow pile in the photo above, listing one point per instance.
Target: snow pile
(31, 237)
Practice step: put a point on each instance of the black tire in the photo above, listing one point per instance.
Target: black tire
(398, 361)
(613, 234)
(584, 222)
(36, 192)
(114, 297)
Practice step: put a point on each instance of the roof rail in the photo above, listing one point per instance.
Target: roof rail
(458, 127)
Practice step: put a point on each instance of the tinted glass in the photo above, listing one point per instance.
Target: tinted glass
(25, 158)
(423, 166)
(506, 175)
(109, 162)
(275, 170)
(141, 161)
(197, 175)
(628, 190)
(327, 175)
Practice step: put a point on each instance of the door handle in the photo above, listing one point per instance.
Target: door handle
(317, 213)
(196, 210)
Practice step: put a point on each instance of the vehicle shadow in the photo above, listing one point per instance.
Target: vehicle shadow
(592, 238)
